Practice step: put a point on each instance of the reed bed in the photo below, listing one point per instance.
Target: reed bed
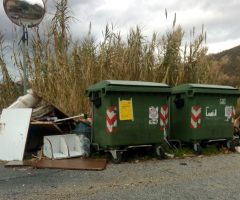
(9, 90)
(60, 68)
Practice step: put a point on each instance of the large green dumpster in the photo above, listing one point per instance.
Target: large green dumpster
(202, 112)
(128, 113)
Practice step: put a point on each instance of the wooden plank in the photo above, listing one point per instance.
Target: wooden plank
(23, 163)
(40, 112)
(41, 122)
(73, 164)
(58, 111)
(48, 127)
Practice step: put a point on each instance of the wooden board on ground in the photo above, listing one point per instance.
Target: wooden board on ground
(24, 163)
(76, 164)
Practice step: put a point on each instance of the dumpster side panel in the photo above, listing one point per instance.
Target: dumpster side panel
(180, 115)
(203, 117)
(147, 124)
(99, 123)
(216, 116)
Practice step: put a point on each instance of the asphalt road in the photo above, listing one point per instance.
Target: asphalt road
(214, 177)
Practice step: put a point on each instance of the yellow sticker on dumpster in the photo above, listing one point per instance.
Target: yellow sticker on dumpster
(125, 110)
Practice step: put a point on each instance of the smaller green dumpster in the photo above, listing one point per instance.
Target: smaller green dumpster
(200, 113)
(128, 114)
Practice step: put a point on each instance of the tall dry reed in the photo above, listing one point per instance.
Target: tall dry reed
(61, 68)
(8, 89)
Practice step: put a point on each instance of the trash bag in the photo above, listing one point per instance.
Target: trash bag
(84, 145)
(83, 128)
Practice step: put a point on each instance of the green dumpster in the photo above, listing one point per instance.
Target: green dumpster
(200, 113)
(128, 114)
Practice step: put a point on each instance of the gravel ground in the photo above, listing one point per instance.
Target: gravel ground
(214, 177)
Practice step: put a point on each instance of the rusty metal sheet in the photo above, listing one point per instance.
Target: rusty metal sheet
(80, 164)
(23, 163)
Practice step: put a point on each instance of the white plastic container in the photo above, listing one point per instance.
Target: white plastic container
(65, 146)
(27, 101)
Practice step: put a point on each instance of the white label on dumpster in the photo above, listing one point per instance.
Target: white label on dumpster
(228, 112)
(153, 115)
(211, 112)
(222, 101)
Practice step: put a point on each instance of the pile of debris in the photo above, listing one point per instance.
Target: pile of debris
(32, 125)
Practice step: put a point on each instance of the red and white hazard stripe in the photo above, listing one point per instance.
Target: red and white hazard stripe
(196, 113)
(233, 114)
(111, 119)
(163, 117)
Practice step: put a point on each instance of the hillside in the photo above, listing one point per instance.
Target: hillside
(227, 65)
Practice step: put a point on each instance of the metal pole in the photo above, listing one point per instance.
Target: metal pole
(25, 77)
(65, 119)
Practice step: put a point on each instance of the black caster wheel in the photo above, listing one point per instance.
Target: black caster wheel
(117, 158)
(160, 153)
(197, 148)
(230, 145)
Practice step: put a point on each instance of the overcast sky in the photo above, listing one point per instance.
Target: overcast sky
(220, 18)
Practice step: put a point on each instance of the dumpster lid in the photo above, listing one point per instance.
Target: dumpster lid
(131, 86)
(212, 86)
(205, 88)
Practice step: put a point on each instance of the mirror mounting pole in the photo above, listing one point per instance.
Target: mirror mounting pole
(26, 14)
(25, 43)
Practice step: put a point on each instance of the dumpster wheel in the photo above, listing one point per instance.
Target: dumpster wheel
(231, 145)
(160, 152)
(116, 156)
(197, 148)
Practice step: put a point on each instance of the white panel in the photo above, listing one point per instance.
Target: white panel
(13, 133)
(64, 146)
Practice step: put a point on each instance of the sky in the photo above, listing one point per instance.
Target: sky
(220, 18)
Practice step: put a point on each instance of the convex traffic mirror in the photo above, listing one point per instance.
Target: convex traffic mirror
(28, 13)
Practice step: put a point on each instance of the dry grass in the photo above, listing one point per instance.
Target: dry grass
(8, 89)
(61, 68)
